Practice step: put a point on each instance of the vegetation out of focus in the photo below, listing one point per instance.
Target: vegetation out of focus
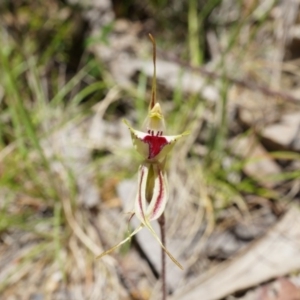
(71, 70)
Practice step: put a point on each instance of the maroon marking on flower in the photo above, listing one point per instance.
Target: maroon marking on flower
(160, 194)
(140, 194)
(156, 143)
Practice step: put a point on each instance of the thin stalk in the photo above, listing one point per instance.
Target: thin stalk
(153, 94)
(161, 222)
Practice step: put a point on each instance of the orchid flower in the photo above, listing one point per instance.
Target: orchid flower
(153, 146)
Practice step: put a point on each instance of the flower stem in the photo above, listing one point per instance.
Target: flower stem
(161, 222)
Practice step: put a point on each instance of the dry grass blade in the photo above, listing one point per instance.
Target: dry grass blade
(90, 244)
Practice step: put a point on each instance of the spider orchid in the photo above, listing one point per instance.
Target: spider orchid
(153, 146)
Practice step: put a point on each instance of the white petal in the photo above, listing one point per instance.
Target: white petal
(140, 201)
(160, 194)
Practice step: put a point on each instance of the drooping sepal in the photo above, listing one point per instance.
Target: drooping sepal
(160, 193)
(152, 231)
(121, 243)
(140, 201)
(152, 198)
(152, 193)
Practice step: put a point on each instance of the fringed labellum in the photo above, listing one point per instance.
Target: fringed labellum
(154, 147)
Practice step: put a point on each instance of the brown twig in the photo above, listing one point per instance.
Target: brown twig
(246, 84)
(161, 222)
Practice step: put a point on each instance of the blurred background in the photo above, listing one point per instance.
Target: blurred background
(228, 71)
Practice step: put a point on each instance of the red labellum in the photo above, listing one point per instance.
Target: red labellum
(156, 143)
